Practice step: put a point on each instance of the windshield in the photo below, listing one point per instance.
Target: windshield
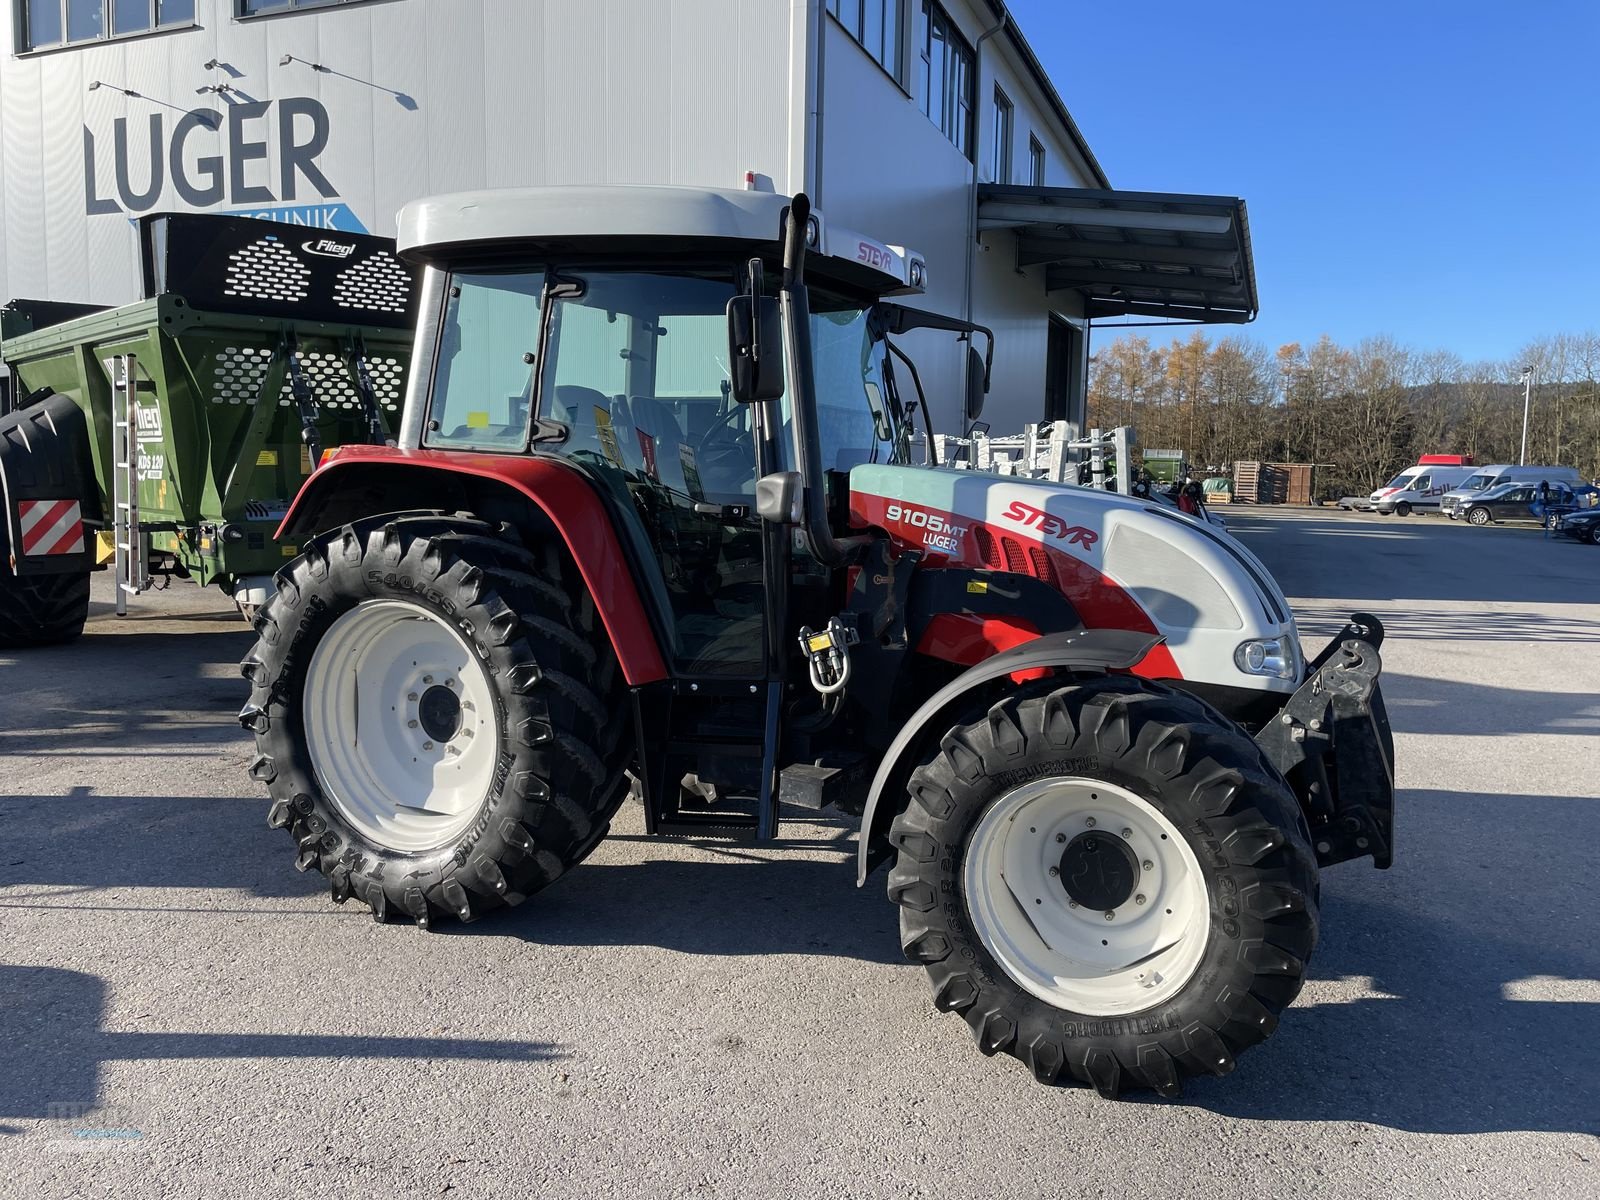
(1400, 480)
(1477, 483)
(855, 419)
(631, 350)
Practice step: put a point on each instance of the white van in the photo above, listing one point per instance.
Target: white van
(1420, 486)
(1454, 502)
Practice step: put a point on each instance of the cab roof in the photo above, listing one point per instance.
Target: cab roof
(569, 220)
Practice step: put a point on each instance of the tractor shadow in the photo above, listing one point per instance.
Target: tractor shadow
(83, 842)
(1421, 705)
(1470, 949)
(144, 692)
(770, 901)
(51, 1059)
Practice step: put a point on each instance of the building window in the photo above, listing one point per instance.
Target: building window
(1000, 164)
(46, 23)
(262, 8)
(1035, 163)
(947, 77)
(878, 25)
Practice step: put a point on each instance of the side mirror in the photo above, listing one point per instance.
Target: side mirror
(977, 384)
(755, 348)
(778, 498)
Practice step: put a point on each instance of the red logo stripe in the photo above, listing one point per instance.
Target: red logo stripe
(41, 527)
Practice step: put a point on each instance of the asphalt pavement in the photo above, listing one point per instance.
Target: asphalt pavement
(185, 1015)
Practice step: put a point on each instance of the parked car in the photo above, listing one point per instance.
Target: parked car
(1454, 502)
(1584, 526)
(1417, 487)
(1515, 502)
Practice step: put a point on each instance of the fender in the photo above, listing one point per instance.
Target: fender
(1090, 650)
(47, 479)
(554, 486)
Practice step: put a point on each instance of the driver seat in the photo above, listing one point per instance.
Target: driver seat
(653, 419)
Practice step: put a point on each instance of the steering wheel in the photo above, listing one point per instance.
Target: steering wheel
(725, 456)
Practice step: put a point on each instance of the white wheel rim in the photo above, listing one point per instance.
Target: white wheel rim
(1063, 952)
(380, 690)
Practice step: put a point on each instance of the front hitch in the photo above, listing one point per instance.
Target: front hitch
(1332, 742)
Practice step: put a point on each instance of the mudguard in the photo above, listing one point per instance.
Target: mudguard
(1095, 650)
(558, 489)
(51, 495)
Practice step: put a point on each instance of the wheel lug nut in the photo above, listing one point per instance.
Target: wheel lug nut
(1110, 916)
(411, 695)
(427, 745)
(1090, 822)
(1148, 865)
(427, 679)
(1127, 833)
(1072, 904)
(1138, 899)
(1061, 837)
(411, 724)
(1055, 870)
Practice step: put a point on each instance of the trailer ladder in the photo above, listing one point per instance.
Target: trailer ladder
(131, 543)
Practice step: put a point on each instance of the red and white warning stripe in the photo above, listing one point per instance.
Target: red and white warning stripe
(51, 526)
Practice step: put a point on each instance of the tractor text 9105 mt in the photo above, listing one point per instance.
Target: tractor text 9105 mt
(653, 527)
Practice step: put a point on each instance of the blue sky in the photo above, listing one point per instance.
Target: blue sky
(1427, 170)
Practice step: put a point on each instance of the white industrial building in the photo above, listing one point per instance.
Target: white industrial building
(924, 123)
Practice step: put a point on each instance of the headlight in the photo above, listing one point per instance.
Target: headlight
(1265, 656)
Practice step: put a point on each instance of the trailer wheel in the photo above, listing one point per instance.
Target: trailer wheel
(1477, 516)
(39, 610)
(1108, 883)
(438, 721)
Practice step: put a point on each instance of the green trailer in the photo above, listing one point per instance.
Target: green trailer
(167, 437)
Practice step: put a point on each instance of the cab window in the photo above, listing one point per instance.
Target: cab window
(483, 377)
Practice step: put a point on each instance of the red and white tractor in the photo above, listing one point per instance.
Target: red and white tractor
(653, 528)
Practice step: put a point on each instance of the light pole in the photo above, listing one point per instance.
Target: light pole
(1527, 394)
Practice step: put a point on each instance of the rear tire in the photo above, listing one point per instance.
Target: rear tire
(1164, 763)
(39, 610)
(1477, 516)
(467, 788)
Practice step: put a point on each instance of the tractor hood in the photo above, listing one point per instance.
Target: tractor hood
(1124, 563)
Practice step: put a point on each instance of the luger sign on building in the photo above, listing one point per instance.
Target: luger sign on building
(218, 158)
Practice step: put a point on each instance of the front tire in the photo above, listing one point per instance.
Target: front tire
(1477, 516)
(1159, 811)
(1403, 509)
(437, 720)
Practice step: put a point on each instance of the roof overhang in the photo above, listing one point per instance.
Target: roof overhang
(1148, 254)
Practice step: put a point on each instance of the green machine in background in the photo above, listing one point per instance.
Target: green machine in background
(168, 436)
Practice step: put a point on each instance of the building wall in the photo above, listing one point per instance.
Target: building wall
(886, 170)
(421, 96)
